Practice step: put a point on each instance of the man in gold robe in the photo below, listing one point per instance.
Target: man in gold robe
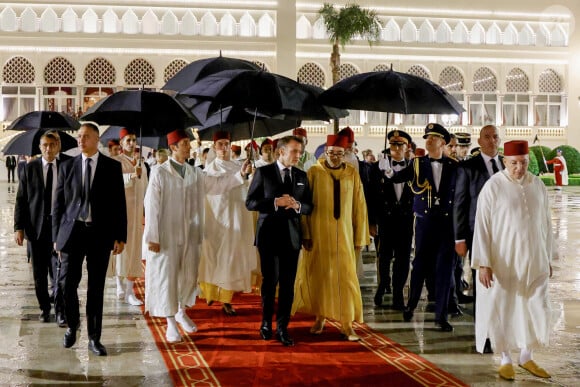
(326, 284)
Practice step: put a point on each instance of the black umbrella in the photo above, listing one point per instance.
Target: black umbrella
(312, 109)
(151, 113)
(204, 67)
(267, 92)
(28, 143)
(243, 124)
(44, 119)
(154, 142)
(393, 92)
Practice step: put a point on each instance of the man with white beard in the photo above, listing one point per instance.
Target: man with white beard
(227, 252)
(512, 249)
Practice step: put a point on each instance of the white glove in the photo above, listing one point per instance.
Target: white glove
(384, 164)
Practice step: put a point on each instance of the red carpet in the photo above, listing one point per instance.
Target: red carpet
(227, 351)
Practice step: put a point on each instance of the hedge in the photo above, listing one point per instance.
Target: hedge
(538, 153)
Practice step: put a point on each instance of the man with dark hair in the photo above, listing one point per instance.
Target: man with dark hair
(89, 189)
(11, 167)
(33, 221)
(281, 194)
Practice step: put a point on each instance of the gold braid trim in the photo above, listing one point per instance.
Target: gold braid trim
(423, 186)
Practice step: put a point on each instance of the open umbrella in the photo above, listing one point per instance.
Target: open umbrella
(313, 110)
(28, 142)
(204, 67)
(243, 124)
(393, 92)
(153, 142)
(269, 93)
(44, 119)
(150, 112)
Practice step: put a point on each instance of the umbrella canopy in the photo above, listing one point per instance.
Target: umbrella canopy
(154, 142)
(312, 109)
(267, 92)
(152, 113)
(198, 69)
(28, 143)
(44, 119)
(393, 92)
(240, 124)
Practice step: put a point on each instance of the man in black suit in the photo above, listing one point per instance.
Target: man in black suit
(432, 181)
(10, 167)
(32, 220)
(391, 208)
(280, 192)
(471, 176)
(90, 189)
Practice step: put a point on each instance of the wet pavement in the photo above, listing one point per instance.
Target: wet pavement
(31, 352)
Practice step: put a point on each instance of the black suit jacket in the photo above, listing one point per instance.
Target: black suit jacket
(108, 208)
(383, 199)
(29, 207)
(278, 229)
(10, 162)
(471, 176)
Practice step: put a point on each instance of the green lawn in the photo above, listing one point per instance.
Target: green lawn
(548, 179)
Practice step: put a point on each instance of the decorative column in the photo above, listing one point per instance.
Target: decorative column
(286, 38)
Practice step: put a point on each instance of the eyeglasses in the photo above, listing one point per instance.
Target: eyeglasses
(335, 154)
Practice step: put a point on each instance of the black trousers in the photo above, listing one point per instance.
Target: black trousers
(278, 267)
(44, 265)
(11, 173)
(395, 237)
(82, 243)
(434, 253)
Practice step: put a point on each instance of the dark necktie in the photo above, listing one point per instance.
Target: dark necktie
(401, 163)
(86, 203)
(336, 197)
(494, 167)
(436, 160)
(287, 181)
(48, 190)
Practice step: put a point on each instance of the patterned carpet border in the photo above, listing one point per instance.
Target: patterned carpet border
(188, 367)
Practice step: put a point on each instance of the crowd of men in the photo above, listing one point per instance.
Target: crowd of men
(314, 216)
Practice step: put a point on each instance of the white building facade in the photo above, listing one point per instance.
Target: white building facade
(513, 64)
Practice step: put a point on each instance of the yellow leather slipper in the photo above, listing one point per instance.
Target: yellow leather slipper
(507, 372)
(535, 369)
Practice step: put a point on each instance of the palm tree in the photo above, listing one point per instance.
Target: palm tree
(343, 26)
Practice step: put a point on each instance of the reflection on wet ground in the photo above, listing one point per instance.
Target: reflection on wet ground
(31, 352)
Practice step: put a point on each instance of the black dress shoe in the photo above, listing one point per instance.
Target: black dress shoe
(97, 348)
(455, 311)
(487, 347)
(284, 338)
(407, 315)
(444, 326)
(70, 337)
(463, 299)
(266, 330)
(379, 297)
(44, 317)
(61, 320)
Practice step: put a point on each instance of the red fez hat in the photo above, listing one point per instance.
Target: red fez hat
(221, 135)
(252, 144)
(348, 133)
(176, 136)
(420, 152)
(336, 140)
(515, 148)
(299, 132)
(123, 132)
(112, 143)
(266, 142)
(236, 148)
(274, 143)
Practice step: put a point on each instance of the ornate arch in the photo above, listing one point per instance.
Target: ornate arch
(59, 71)
(139, 72)
(18, 70)
(312, 74)
(100, 72)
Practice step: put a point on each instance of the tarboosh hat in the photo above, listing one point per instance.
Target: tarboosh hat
(348, 133)
(515, 148)
(300, 132)
(221, 135)
(176, 136)
(336, 140)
